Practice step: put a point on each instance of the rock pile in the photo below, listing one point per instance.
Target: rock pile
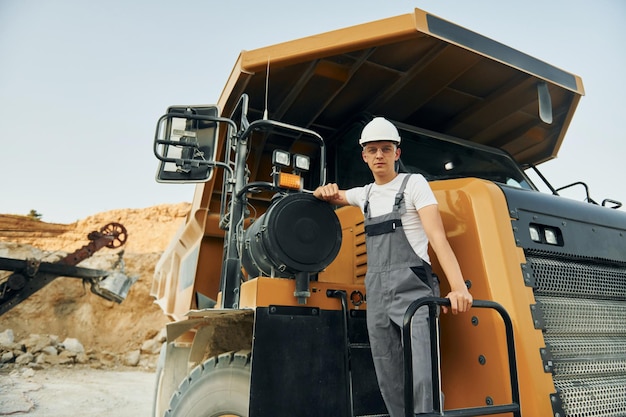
(41, 350)
(126, 334)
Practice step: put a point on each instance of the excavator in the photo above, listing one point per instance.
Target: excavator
(264, 284)
(27, 276)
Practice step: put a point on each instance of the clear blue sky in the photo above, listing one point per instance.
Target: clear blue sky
(82, 84)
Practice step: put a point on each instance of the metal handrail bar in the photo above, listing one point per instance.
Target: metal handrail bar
(432, 303)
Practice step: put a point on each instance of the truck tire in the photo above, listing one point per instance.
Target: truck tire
(219, 387)
(170, 370)
(157, 395)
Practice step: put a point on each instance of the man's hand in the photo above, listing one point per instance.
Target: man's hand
(331, 193)
(460, 301)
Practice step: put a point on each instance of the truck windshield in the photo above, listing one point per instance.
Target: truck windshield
(434, 156)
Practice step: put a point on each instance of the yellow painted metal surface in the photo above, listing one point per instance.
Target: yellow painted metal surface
(401, 66)
(350, 265)
(263, 292)
(479, 229)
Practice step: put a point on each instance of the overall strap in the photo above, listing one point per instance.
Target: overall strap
(397, 202)
(367, 200)
(400, 195)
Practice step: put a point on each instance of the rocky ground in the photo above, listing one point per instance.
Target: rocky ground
(65, 333)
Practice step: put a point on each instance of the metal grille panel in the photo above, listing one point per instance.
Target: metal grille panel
(587, 368)
(596, 397)
(578, 279)
(563, 347)
(583, 315)
(576, 315)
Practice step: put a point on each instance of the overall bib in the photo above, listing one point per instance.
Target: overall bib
(397, 276)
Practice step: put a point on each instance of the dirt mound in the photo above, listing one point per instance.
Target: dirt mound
(67, 308)
(19, 227)
(149, 229)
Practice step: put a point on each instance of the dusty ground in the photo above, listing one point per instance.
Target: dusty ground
(66, 308)
(61, 391)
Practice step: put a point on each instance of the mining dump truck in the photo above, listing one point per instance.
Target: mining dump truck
(264, 284)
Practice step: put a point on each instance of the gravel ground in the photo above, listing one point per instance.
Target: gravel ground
(76, 391)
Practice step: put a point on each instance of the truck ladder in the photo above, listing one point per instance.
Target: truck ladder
(433, 302)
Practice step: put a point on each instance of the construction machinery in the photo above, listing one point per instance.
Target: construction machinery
(30, 275)
(265, 284)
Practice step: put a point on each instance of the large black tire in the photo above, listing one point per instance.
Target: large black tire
(219, 387)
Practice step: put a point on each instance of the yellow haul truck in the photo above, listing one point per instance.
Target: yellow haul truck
(265, 284)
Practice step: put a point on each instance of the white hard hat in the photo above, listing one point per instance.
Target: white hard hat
(379, 129)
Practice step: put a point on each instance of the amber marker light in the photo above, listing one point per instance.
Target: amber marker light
(290, 181)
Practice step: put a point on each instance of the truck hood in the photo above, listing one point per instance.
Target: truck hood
(416, 69)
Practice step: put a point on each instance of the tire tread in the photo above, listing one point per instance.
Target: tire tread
(235, 359)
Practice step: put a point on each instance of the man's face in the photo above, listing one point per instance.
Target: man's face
(381, 156)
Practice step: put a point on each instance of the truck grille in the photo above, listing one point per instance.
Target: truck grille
(581, 307)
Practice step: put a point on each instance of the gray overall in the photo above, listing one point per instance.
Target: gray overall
(397, 276)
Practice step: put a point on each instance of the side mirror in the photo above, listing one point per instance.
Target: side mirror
(185, 143)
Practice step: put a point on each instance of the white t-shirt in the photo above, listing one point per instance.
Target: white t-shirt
(417, 195)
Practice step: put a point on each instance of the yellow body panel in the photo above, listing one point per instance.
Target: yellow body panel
(263, 292)
(479, 229)
(350, 265)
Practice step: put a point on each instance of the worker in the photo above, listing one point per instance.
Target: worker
(401, 219)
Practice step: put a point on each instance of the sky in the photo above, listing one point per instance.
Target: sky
(82, 84)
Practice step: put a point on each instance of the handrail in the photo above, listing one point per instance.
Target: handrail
(432, 303)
